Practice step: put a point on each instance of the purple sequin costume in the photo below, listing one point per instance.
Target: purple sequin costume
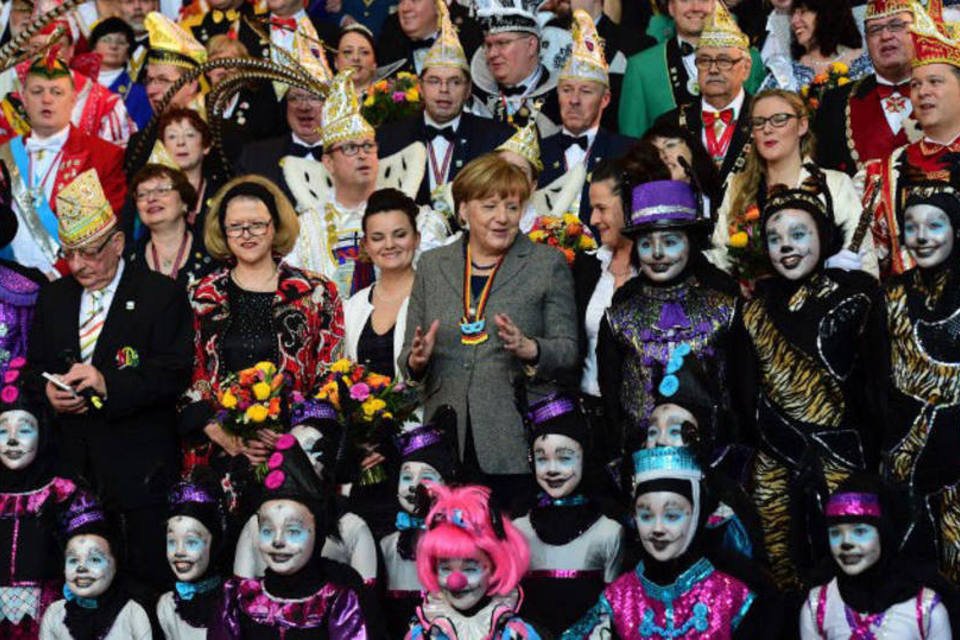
(654, 320)
(18, 295)
(701, 603)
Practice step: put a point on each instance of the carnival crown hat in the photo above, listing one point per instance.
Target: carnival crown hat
(84, 514)
(721, 30)
(84, 213)
(556, 414)
(160, 155)
(201, 498)
(804, 199)
(665, 463)
(290, 476)
(662, 204)
(310, 55)
(885, 8)
(171, 44)
(341, 113)
(525, 143)
(502, 16)
(587, 61)
(49, 65)
(933, 41)
(433, 443)
(447, 50)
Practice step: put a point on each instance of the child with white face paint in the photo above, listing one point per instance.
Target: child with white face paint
(922, 306)
(291, 524)
(96, 602)
(195, 531)
(470, 562)
(575, 550)
(875, 593)
(813, 366)
(666, 592)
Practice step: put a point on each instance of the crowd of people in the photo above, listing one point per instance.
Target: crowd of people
(479, 319)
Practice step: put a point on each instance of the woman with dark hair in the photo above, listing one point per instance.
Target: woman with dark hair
(114, 41)
(357, 50)
(673, 143)
(375, 317)
(255, 309)
(824, 34)
(163, 197)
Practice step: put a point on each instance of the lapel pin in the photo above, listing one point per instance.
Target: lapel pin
(130, 305)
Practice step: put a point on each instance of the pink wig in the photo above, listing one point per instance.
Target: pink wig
(460, 525)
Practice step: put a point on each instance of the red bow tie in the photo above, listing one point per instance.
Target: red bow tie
(285, 24)
(710, 117)
(887, 90)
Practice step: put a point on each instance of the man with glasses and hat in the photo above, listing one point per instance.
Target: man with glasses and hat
(118, 341)
(867, 119)
(42, 162)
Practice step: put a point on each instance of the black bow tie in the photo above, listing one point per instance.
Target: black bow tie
(301, 150)
(686, 48)
(567, 141)
(443, 132)
(422, 44)
(518, 90)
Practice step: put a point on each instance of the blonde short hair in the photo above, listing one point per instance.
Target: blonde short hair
(282, 212)
(222, 44)
(489, 175)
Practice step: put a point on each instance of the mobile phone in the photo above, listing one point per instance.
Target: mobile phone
(58, 382)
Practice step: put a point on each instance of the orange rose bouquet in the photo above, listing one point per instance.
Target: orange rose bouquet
(836, 75)
(391, 99)
(565, 233)
(746, 246)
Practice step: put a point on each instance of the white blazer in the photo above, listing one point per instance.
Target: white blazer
(357, 311)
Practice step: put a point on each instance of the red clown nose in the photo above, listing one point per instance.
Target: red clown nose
(456, 581)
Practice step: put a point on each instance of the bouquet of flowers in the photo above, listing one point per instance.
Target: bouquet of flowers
(565, 232)
(392, 98)
(371, 405)
(250, 400)
(746, 245)
(836, 75)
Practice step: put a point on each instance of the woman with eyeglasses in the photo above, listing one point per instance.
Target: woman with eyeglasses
(780, 153)
(824, 34)
(255, 309)
(163, 198)
(114, 41)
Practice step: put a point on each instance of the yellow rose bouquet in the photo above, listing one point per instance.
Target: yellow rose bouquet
(746, 247)
(372, 407)
(391, 99)
(250, 400)
(836, 75)
(565, 233)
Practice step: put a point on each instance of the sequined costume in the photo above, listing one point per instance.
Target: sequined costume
(497, 620)
(18, 295)
(702, 602)
(808, 351)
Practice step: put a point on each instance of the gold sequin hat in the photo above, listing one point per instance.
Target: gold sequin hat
(341, 113)
(721, 31)
(84, 212)
(170, 44)
(309, 53)
(525, 143)
(160, 155)
(587, 61)
(885, 8)
(933, 41)
(447, 50)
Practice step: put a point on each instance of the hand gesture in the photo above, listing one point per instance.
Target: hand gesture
(513, 339)
(422, 347)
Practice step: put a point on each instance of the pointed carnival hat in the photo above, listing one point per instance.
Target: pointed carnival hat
(170, 44)
(525, 143)
(341, 113)
(885, 8)
(933, 41)
(160, 155)
(447, 50)
(587, 61)
(84, 212)
(721, 30)
(49, 65)
(504, 16)
(309, 53)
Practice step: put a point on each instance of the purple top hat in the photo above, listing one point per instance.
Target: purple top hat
(662, 204)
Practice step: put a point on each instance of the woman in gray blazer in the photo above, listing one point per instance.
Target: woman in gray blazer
(486, 312)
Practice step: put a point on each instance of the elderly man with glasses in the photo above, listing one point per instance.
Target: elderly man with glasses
(867, 119)
(117, 340)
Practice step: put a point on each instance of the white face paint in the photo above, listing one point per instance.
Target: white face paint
(412, 475)
(188, 548)
(464, 581)
(558, 464)
(793, 243)
(663, 254)
(287, 535)
(308, 437)
(663, 520)
(666, 426)
(19, 439)
(89, 565)
(928, 234)
(855, 546)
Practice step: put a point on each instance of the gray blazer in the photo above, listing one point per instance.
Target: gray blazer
(534, 286)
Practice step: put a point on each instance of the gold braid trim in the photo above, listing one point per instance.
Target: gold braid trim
(771, 496)
(800, 388)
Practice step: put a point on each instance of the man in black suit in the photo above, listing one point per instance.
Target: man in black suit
(720, 118)
(410, 32)
(263, 157)
(451, 136)
(125, 334)
(583, 90)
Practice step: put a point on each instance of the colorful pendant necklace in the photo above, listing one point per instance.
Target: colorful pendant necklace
(473, 324)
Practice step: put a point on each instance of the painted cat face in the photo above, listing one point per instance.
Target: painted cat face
(188, 547)
(19, 439)
(793, 243)
(855, 546)
(663, 254)
(464, 581)
(412, 475)
(287, 535)
(664, 519)
(928, 234)
(89, 565)
(558, 464)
